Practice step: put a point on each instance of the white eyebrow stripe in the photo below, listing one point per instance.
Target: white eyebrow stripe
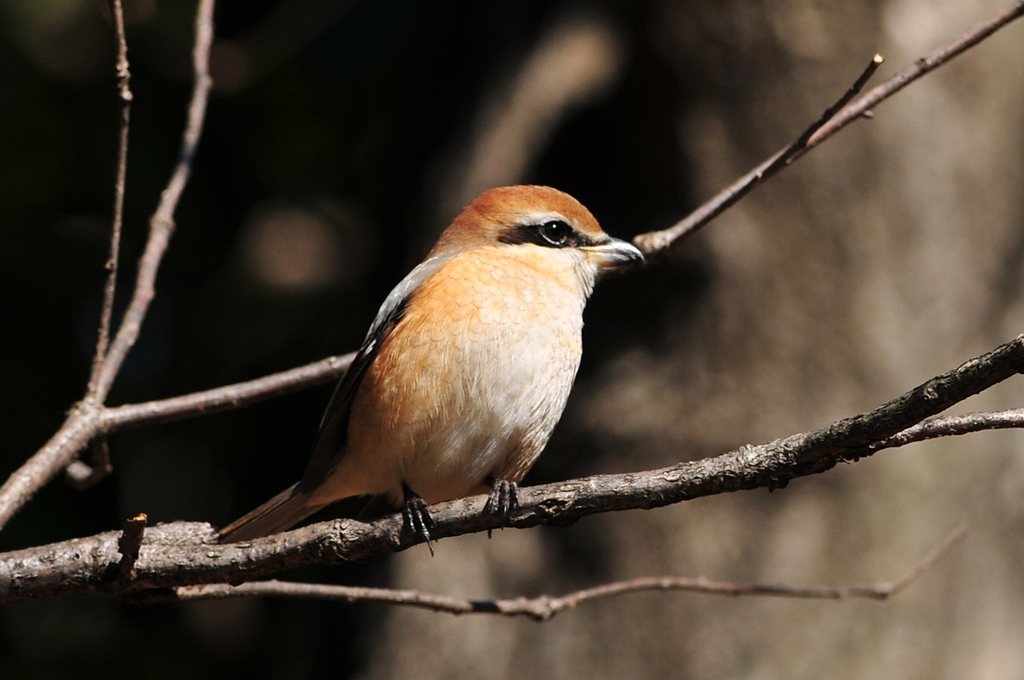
(542, 217)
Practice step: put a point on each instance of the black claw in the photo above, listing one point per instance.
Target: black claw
(417, 517)
(504, 498)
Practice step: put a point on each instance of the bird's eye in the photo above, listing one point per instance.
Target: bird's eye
(555, 232)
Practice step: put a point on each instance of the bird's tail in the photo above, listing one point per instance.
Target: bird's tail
(279, 513)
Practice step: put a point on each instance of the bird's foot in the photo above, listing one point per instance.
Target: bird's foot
(504, 498)
(417, 517)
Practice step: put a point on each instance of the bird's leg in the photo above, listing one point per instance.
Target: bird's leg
(503, 499)
(415, 514)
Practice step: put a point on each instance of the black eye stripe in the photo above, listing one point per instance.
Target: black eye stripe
(549, 233)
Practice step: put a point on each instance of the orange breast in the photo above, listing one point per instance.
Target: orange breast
(473, 379)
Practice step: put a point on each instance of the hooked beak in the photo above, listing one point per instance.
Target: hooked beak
(612, 252)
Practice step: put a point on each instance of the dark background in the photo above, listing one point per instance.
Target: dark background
(340, 140)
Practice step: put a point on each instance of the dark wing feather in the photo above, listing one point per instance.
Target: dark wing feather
(331, 440)
(333, 437)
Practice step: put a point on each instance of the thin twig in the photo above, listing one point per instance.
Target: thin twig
(74, 435)
(801, 143)
(110, 420)
(544, 607)
(919, 68)
(656, 241)
(161, 225)
(130, 542)
(83, 476)
(224, 398)
(949, 426)
(83, 422)
(123, 79)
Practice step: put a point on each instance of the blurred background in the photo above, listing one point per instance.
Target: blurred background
(343, 136)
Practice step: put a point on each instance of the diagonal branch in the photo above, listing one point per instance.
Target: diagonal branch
(182, 553)
(161, 225)
(544, 607)
(657, 241)
(919, 68)
(83, 422)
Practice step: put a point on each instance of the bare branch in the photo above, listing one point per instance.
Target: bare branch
(657, 241)
(224, 398)
(123, 79)
(544, 607)
(187, 554)
(82, 476)
(76, 432)
(654, 242)
(83, 421)
(161, 225)
(948, 426)
(919, 68)
(800, 143)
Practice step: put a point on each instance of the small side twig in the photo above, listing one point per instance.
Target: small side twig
(130, 542)
(123, 79)
(83, 476)
(544, 607)
(921, 67)
(801, 143)
(655, 241)
(950, 426)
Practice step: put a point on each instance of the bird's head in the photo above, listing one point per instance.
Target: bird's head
(538, 222)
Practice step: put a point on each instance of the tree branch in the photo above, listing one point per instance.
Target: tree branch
(182, 553)
(224, 398)
(83, 422)
(84, 476)
(161, 225)
(919, 68)
(123, 79)
(654, 242)
(949, 426)
(544, 607)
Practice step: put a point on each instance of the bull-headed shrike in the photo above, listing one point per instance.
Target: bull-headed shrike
(466, 369)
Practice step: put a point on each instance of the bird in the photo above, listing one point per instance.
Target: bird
(465, 370)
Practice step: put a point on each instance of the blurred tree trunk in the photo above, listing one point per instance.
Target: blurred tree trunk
(885, 257)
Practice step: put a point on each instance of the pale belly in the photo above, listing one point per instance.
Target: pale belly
(453, 399)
